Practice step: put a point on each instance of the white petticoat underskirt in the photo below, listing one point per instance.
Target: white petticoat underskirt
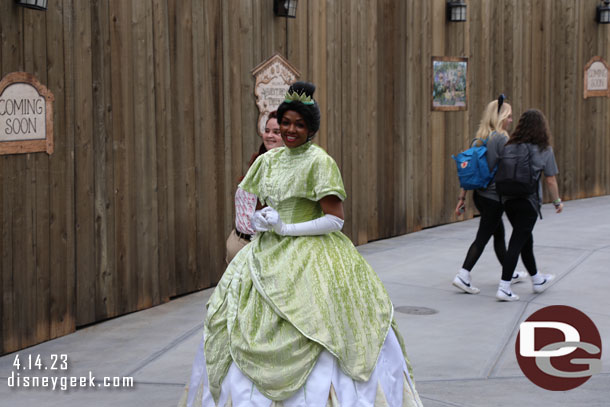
(389, 385)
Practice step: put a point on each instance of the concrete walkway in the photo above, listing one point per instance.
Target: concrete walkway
(462, 346)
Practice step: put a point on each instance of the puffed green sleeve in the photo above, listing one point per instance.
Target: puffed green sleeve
(325, 179)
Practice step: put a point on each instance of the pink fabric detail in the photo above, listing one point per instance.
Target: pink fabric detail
(245, 205)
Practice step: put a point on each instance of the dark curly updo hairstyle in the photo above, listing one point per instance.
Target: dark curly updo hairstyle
(310, 113)
(532, 128)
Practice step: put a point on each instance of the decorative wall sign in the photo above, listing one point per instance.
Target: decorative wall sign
(449, 83)
(596, 78)
(273, 78)
(26, 115)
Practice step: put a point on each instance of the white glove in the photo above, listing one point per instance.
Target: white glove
(272, 217)
(259, 223)
(319, 226)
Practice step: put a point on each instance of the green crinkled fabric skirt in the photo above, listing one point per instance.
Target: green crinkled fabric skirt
(285, 299)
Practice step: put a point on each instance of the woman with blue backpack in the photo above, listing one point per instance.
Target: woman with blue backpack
(526, 156)
(492, 134)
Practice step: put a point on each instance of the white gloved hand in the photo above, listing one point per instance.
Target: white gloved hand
(259, 223)
(273, 220)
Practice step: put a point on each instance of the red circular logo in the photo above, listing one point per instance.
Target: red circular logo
(558, 348)
(464, 164)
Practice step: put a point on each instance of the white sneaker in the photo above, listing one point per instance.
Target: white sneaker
(538, 288)
(504, 295)
(465, 286)
(519, 276)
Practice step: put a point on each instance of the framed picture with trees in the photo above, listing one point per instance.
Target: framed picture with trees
(449, 83)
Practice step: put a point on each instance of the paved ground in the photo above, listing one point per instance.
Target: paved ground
(463, 353)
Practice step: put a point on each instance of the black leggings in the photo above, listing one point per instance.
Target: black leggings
(490, 224)
(522, 216)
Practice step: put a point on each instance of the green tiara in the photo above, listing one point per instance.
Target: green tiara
(296, 97)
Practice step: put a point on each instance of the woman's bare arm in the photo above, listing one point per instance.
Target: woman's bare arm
(332, 205)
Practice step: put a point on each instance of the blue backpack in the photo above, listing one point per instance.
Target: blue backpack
(472, 167)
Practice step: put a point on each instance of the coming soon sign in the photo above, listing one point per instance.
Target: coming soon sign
(596, 78)
(26, 115)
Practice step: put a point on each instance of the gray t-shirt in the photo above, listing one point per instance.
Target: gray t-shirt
(542, 162)
(495, 144)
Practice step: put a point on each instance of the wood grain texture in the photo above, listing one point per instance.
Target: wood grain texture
(62, 304)
(35, 62)
(164, 165)
(13, 201)
(84, 162)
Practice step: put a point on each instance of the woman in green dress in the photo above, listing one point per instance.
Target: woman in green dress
(299, 318)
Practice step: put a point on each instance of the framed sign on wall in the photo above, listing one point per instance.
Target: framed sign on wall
(596, 78)
(26, 115)
(449, 83)
(273, 78)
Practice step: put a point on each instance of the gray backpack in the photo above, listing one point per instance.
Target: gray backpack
(515, 175)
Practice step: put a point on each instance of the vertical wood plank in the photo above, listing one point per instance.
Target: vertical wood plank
(248, 39)
(563, 104)
(415, 95)
(333, 89)
(106, 285)
(318, 41)
(369, 21)
(537, 55)
(62, 307)
(27, 242)
(163, 127)
(298, 46)
(401, 224)
(507, 19)
(230, 175)
(203, 151)
(22, 249)
(480, 92)
(184, 154)
(387, 135)
(84, 162)
(425, 117)
(13, 208)
(234, 118)
(525, 53)
(436, 144)
(122, 129)
(586, 49)
(152, 231)
(357, 131)
(349, 141)
(35, 62)
(216, 211)
(147, 261)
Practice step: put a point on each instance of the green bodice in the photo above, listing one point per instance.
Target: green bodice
(306, 172)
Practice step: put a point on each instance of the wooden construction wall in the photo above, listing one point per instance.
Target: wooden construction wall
(534, 51)
(155, 122)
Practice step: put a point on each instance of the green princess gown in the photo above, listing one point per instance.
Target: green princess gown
(299, 321)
